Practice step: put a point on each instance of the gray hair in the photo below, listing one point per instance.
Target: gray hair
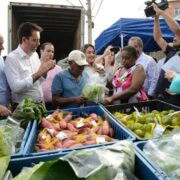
(138, 39)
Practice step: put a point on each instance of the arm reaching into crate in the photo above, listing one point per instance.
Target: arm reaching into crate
(128, 80)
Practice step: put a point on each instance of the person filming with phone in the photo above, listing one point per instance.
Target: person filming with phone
(107, 59)
(172, 61)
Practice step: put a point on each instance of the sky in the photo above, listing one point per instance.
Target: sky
(109, 12)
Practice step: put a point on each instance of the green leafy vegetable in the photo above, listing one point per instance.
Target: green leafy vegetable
(55, 169)
(29, 110)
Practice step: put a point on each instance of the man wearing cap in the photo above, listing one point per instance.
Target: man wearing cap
(68, 84)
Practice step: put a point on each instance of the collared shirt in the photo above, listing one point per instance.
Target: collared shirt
(19, 68)
(4, 90)
(152, 73)
(66, 85)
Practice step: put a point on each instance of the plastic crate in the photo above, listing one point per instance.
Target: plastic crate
(139, 148)
(23, 143)
(147, 106)
(120, 133)
(142, 169)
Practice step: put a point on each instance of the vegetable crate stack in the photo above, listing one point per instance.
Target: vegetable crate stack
(146, 120)
(72, 129)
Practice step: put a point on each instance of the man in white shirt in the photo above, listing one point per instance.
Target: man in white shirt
(23, 69)
(149, 64)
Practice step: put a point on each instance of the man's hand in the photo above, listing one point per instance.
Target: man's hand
(45, 67)
(4, 111)
(79, 99)
(107, 101)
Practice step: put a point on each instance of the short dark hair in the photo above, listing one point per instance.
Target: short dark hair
(26, 29)
(131, 50)
(42, 47)
(83, 49)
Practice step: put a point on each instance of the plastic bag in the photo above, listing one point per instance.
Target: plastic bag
(111, 162)
(115, 162)
(165, 152)
(95, 88)
(13, 134)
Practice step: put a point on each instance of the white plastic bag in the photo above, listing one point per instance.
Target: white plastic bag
(165, 152)
(95, 88)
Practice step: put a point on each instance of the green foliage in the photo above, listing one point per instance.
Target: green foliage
(29, 110)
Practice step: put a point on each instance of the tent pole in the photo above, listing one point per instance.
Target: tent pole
(122, 41)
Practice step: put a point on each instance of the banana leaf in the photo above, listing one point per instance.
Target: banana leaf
(55, 169)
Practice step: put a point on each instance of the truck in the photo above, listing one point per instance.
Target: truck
(62, 25)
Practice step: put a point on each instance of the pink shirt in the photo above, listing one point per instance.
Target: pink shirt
(46, 84)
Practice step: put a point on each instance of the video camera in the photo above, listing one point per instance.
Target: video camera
(149, 10)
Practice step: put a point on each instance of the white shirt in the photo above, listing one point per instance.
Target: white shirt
(19, 68)
(152, 73)
(172, 64)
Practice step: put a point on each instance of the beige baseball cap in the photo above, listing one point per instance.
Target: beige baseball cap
(78, 57)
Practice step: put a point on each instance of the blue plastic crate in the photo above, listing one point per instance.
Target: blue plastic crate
(139, 148)
(147, 106)
(143, 170)
(120, 133)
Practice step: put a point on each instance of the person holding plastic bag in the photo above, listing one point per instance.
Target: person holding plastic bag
(67, 85)
(92, 67)
(128, 80)
(94, 90)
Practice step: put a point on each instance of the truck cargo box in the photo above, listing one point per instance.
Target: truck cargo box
(63, 25)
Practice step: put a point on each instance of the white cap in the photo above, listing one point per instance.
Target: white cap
(78, 57)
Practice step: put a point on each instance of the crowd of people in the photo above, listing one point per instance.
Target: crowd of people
(136, 77)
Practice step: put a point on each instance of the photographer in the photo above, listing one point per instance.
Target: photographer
(172, 54)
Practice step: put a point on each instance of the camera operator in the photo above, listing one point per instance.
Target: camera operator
(172, 54)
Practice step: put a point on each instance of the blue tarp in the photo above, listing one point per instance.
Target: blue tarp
(120, 32)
